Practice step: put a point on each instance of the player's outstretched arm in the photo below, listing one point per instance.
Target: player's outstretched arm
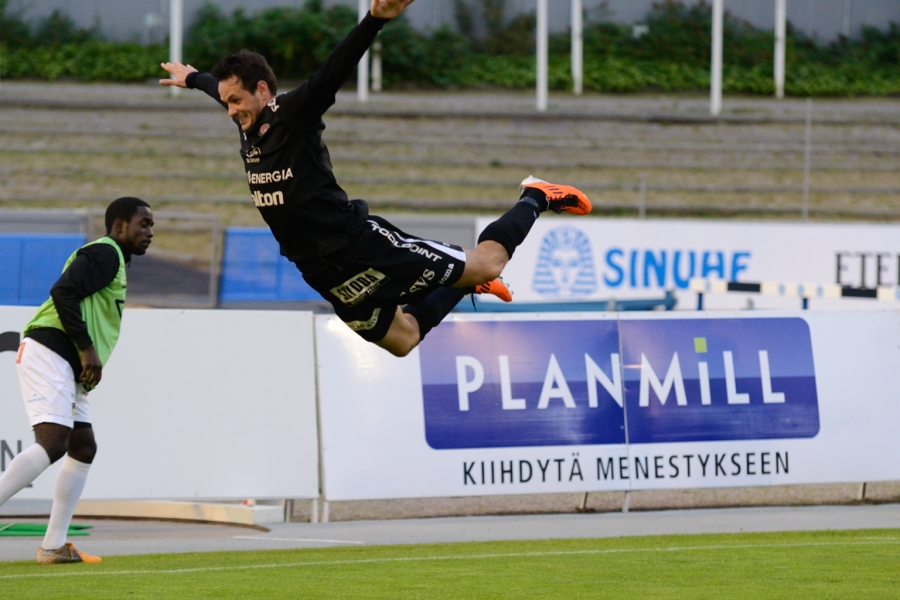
(388, 9)
(183, 74)
(314, 96)
(179, 72)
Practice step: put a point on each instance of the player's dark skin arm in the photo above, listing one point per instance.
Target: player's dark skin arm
(92, 270)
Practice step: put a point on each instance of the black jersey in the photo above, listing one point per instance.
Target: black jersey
(287, 163)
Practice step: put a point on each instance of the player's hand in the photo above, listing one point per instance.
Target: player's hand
(91, 368)
(179, 71)
(388, 9)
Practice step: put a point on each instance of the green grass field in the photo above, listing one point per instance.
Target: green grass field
(846, 564)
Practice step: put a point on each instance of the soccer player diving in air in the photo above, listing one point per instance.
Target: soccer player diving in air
(389, 287)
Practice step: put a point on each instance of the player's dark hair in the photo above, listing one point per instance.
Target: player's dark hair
(122, 208)
(249, 67)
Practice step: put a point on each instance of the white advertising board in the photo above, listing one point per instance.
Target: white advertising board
(193, 404)
(581, 259)
(504, 404)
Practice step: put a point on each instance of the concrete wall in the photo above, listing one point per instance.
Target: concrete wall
(147, 20)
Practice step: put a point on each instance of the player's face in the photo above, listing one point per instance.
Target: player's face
(243, 105)
(135, 235)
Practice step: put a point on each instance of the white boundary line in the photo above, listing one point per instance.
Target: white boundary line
(365, 561)
(276, 539)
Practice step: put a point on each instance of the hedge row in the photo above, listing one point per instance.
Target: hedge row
(104, 61)
(297, 40)
(89, 61)
(629, 75)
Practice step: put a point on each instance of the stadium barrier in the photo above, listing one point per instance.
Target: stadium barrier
(562, 261)
(593, 259)
(193, 404)
(804, 291)
(166, 277)
(32, 263)
(284, 404)
(525, 404)
(253, 270)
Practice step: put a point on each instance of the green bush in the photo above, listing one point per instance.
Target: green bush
(672, 56)
(90, 61)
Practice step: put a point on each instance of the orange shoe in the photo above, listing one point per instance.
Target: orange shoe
(66, 554)
(495, 287)
(560, 198)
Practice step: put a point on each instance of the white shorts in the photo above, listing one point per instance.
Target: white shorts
(48, 385)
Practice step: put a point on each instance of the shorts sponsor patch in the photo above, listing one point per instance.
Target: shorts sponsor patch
(422, 282)
(365, 325)
(359, 287)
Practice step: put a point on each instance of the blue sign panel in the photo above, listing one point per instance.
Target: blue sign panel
(32, 262)
(718, 379)
(548, 383)
(522, 383)
(253, 270)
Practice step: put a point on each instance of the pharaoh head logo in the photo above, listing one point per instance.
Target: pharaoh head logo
(565, 265)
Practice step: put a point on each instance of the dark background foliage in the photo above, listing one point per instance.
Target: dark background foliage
(487, 47)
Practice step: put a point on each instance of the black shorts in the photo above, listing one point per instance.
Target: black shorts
(383, 269)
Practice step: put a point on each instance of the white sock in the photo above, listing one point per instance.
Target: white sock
(22, 470)
(69, 485)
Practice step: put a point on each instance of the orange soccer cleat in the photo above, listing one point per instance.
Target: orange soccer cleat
(66, 554)
(495, 287)
(560, 198)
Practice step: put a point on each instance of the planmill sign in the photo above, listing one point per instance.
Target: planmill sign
(610, 382)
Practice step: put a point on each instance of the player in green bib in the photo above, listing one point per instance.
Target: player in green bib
(66, 346)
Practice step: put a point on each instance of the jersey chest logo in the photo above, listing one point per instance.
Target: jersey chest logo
(252, 155)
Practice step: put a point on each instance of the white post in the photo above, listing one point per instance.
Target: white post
(577, 48)
(715, 75)
(846, 24)
(542, 43)
(376, 66)
(176, 18)
(780, 33)
(642, 199)
(362, 71)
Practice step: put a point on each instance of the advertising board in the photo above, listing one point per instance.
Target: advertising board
(504, 404)
(569, 259)
(193, 404)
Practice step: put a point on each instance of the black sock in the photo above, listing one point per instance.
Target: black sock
(435, 307)
(536, 197)
(510, 230)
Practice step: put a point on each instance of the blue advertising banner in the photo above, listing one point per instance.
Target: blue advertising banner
(718, 379)
(488, 384)
(491, 385)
